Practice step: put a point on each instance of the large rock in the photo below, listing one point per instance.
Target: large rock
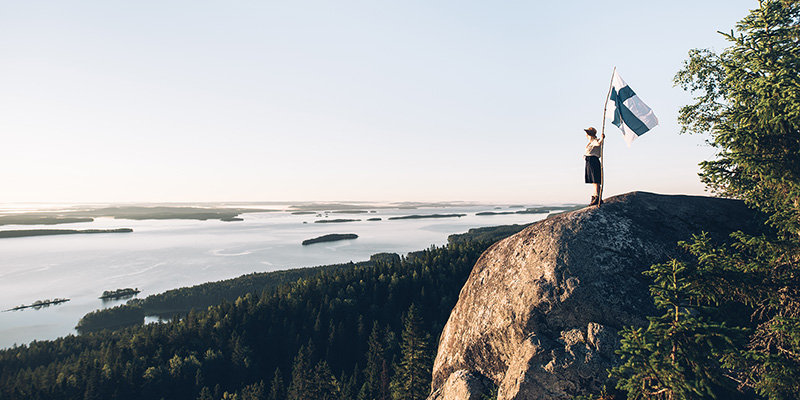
(540, 312)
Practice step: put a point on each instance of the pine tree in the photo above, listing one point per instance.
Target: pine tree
(371, 389)
(277, 390)
(205, 394)
(302, 376)
(324, 385)
(349, 385)
(749, 103)
(676, 356)
(412, 377)
(255, 391)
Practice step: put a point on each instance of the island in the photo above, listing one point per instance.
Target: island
(328, 221)
(169, 212)
(119, 293)
(430, 216)
(47, 232)
(534, 210)
(495, 213)
(319, 207)
(330, 238)
(129, 212)
(549, 209)
(39, 304)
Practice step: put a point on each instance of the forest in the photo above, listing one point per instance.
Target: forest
(358, 331)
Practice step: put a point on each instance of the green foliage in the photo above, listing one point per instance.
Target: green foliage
(411, 380)
(676, 355)
(199, 297)
(233, 349)
(376, 385)
(277, 390)
(113, 317)
(487, 234)
(490, 393)
(760, 272)
(749, 102)
(302, 375)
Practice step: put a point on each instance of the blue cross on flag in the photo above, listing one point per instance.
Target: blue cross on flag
(631, 115)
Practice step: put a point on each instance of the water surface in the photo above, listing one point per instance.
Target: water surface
(165, 254)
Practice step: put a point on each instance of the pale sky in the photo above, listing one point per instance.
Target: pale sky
(191, 101)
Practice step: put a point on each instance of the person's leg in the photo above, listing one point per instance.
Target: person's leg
(595, 194)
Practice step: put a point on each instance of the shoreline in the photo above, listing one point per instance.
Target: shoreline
(51, 232)
(246, 254)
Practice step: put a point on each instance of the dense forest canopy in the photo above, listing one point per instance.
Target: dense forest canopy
(748, 102)
(363, 331)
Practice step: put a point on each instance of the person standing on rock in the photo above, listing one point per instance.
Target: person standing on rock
(592, 156)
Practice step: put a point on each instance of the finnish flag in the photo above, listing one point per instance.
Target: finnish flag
(631, 115)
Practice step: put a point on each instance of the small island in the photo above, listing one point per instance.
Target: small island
(119, 293)
(39, 304)
(533, 210)
(495, 213)
(549, 209)
(333, 221)
(330, 238)
(430, 216)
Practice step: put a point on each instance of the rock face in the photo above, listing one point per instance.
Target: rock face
(539, 315)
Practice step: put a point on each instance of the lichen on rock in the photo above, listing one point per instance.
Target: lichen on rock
(539, 315)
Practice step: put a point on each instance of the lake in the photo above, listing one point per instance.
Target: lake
(165, 254)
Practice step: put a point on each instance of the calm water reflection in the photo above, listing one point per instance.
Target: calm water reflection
(162, 255)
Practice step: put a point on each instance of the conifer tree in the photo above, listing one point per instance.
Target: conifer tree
(371, 389)
(412, 377)
(255, 391)
(676, 355)
(302, 376)
(349, 385)
(205, 394)
(324, 386)
(277, 389)
(749, 103)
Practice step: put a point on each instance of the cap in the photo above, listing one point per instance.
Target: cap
(591, 131)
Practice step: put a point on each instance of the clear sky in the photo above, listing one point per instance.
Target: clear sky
(130, 101)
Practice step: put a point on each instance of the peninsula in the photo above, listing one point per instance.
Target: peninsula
(128, 212)
(48, 232)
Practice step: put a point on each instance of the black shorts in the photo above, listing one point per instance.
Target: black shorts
(592, 174)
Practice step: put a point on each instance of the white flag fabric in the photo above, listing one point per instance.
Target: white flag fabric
(631, 115)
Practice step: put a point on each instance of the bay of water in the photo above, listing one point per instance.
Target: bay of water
(165, 254)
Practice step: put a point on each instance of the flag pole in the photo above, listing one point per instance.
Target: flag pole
(602, 144)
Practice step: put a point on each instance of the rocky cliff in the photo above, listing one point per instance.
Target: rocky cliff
(539, 314)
